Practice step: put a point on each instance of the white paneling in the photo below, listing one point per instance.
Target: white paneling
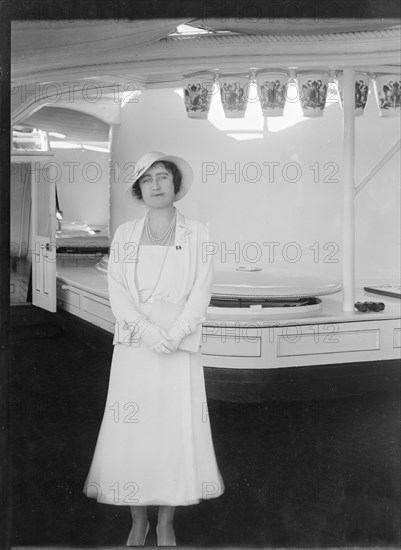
(231, 346)
(338, 342)
(397, 338)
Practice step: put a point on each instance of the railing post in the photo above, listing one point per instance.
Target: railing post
(348, 254)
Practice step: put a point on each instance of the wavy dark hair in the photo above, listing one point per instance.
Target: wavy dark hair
(170, 167)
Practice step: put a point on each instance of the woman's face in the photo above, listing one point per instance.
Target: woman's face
(157, 186)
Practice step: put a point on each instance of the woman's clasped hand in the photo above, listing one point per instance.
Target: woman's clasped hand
(159, 340)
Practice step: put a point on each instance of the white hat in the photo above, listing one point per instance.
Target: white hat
(146, 162)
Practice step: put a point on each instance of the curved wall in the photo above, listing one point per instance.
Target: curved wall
(275, 201)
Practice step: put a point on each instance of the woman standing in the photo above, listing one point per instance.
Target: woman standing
(155, 446)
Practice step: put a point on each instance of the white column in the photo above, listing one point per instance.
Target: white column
(348, 254)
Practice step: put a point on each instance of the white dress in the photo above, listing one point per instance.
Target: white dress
(155, 444)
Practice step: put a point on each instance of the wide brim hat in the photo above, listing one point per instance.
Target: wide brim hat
(146, 161)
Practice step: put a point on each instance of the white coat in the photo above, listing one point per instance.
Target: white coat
(191, 288)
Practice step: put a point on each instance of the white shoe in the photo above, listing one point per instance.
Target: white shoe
(159, 544)
(144, 538)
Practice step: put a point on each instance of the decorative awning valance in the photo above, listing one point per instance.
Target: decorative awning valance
(311, 89)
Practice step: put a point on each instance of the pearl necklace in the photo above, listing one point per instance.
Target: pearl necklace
(165, 235)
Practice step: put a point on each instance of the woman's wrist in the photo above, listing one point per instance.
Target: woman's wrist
(179, 330)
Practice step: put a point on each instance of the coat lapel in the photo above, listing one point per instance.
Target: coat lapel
(182, 231)
(131, 257)
(183, 244)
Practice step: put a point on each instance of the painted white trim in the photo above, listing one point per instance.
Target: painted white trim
(382, 162)
(164, 60)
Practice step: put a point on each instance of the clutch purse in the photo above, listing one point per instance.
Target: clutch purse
(164, 314)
